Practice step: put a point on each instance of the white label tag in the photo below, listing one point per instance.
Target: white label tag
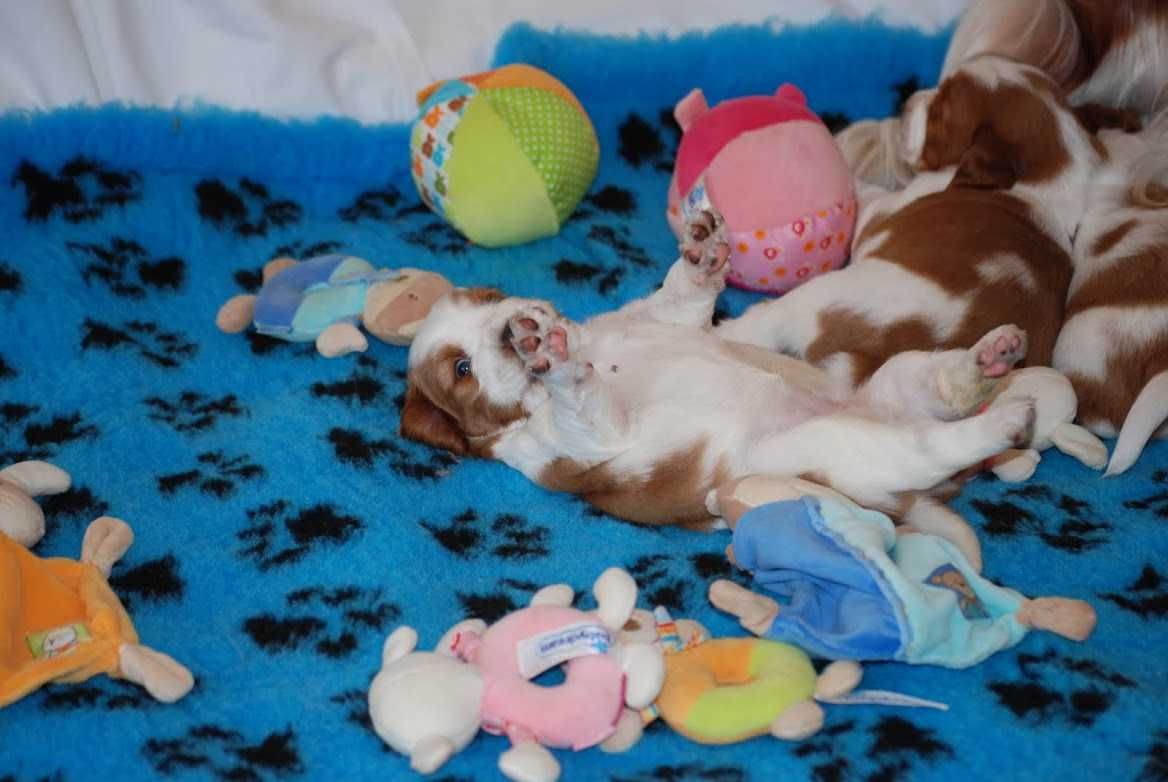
(540, 652)
(884, 698)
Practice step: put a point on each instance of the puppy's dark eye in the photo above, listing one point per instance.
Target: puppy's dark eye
(462, 367)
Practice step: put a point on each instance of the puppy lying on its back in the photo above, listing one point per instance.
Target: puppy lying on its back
(643, 411)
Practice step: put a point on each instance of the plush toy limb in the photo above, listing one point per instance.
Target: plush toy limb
(339, 339)
(431, 753)
(277, 265)
(629, 727)
(838, 679)
(466, 626)
(1015, 465)
(163, 677)
(529, 762)
(106, 540)
(37, 478)
(236, 314)
(20, 517)
(798, 722)
(731, 500)
(1077, 442)
(554, 595)
(644, 669)
(616, 597)
(755, 612)
(1073, 619)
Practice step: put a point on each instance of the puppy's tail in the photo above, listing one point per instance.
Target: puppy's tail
(1147, 414)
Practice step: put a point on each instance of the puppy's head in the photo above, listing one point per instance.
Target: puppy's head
(466, 383)
(998, 122)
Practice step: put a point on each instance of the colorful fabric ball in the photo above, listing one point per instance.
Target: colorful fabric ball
(504, 156)
(769, 165)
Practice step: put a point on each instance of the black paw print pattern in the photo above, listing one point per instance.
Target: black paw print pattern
(355, 703)
(889, 749)
(226, 754)
(352, 447)
(154, 581)
(1156, 502)
(609, 200)
(360, 388)
(126, 268)
(278, 534)
(72, 509)
(1146, 597)
(325, 619)
(6, 371)
(1056, 687)
(1155, 767)
(508, 536)
(161, 348)
(576, 273)
(39, 437)
(696, 771)
(509, 595)
(11, 283)
(652, 143)
(98, 693)
(661, 585)
(191, 412)
(217, 475)
(619, 240)
(1078, 531)
(437, 237)
(81, 190)
(247, 209)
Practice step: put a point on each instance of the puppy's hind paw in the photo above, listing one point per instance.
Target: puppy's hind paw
(706, 251)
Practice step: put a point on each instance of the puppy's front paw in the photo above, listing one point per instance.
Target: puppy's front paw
(706, 251)
(538, 339)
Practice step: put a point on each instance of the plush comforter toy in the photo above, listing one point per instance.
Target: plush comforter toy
(838, 580)
(59, 619)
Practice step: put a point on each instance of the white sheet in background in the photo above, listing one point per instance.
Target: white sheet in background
(358, 58)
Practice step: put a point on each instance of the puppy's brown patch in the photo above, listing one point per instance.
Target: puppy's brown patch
(1109, 239)
(943, 237)
(674, 491)
(1128, 370)
(451, 412)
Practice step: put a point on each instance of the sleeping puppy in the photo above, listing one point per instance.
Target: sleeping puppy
(981, 237)
(1106, 55)
(643, 411)
(1114, 344)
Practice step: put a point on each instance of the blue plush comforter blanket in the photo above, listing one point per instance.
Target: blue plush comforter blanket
(284, 529)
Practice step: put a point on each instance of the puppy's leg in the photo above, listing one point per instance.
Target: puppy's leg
(945, 385)
(693, 283)
(871, 461)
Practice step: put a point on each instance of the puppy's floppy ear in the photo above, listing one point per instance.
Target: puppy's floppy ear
(425, 422)
(1096, 117)
(990, 163)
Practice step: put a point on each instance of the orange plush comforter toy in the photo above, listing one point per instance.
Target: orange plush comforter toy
(59, 619)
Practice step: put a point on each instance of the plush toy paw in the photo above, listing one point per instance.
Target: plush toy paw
(1075, 441)
(529, 762)
(755, 612)
(629, 727)
(341, 339)
(236, 314)
(616, 596)
(800, 721)
(1073, 619)
(554, 595)
(644, 669)
(106, 540)
(1015, 465)
(838, 679)
(164, 678)
(431, 753)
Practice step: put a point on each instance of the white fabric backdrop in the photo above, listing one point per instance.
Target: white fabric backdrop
(359, 58)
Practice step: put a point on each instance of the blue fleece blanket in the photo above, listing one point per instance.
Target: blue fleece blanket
(283, 528)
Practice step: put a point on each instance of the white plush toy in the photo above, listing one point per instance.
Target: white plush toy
(20, 518)
(1056, 407)
(430, 705)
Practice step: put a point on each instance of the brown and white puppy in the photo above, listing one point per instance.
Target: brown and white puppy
(643, 411)
(982, 236)
(1109, 53)
(1114, 344)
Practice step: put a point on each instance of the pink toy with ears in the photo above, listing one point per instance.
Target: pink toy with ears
(770, 166)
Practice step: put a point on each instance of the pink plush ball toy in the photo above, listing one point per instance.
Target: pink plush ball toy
(769, 165)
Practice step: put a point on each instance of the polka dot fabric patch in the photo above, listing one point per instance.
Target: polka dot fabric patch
(556, 138)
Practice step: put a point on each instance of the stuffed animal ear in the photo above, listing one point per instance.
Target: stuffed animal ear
(616, 597)
(792, 93)
(690, 108)
(37, 478)
(990, 163)
(401, 642)
(425, 422)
